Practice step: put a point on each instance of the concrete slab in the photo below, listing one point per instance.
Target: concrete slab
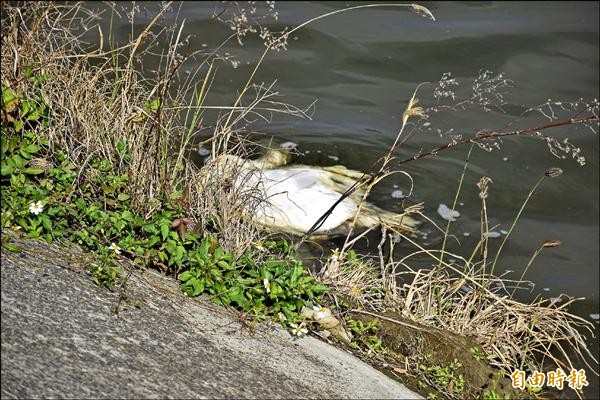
(61, 338)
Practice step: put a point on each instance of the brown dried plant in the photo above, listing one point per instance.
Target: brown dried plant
(101, 95)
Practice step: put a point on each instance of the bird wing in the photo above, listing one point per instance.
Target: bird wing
(299, 197)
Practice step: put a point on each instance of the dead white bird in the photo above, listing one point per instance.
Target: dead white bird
(294, 197)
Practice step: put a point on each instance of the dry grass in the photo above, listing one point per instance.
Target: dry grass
(463, 297)
(516, 334)
(458, 297)
(96, 98)
(223, 204)
(102, 96)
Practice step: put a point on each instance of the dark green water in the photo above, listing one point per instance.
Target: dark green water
(361, 67)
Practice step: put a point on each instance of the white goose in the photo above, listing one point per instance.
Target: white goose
(295, 197)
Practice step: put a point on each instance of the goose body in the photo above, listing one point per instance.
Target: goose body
(295, 197)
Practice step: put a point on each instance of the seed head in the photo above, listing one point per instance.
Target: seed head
(553, 172)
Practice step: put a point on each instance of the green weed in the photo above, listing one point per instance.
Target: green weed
(445, 379)
(365, 335)
(263, 282)
(42, 197)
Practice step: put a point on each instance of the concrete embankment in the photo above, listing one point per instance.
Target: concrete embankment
(62, 338)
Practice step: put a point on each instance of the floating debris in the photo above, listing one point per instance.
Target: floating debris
(203, 151)
(334, 158)
(504, 231)
(493, 235)
(288, 145)
(466, 234)
(505, 159)
(397, 194)
(595, 317)
(546, 289)
(447, 213)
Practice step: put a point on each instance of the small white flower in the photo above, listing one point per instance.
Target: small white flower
(259, 246)
(36, 208)
(267, 285)
(335, 255)
(115, 248)
(321, 312)
(298, 330)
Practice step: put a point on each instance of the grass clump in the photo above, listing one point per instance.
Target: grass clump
(101, 112)
(269, 281)
(95, 153)
(266, 281)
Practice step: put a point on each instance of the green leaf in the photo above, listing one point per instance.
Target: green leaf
(152, 241)
(236, 295)
(11, 247)
(34, 171)
(216, 273)
(204, 246)
(224, 264)
(150, 228)
(155, 104)
(35, 115)
(18, 160)
(123, 197)
(276, 290)
(26, 107)
(6, 169)
(32, 148)
(121, 147)
(163, 256)
(28, 71)
(185, 276)
(219, 252)
(164, 230)
(296, 273)
(319, 289)
(198, 286)
(46, 223)
(8, 96)
(265, 273)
